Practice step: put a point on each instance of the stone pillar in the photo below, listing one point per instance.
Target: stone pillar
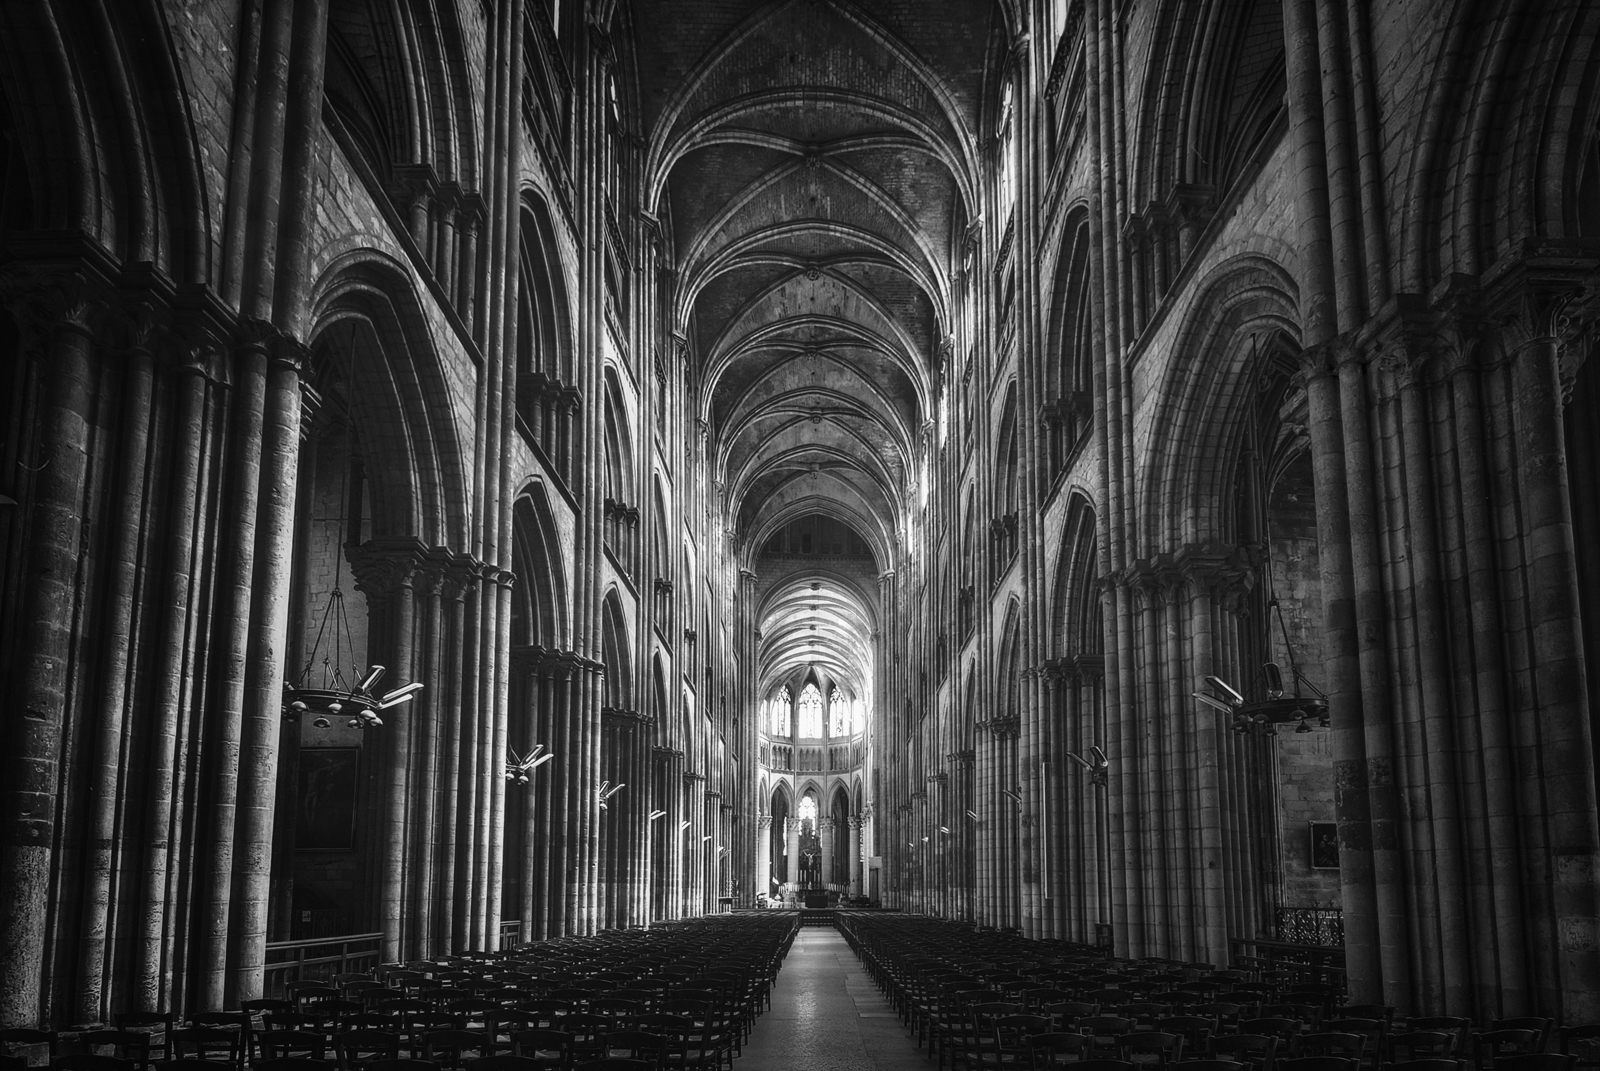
(791, 827)
(825, 829)
(33, 743)
(763, 875)
(855, 855)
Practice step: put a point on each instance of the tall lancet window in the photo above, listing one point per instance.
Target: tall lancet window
(1006, 153)
(810, 711)
(838, 714)
(781, 707)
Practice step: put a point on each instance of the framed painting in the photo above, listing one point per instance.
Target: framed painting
(325, 812)
(1324, 846)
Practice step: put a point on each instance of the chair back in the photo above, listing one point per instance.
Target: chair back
(1319, 1063)
(1420, 1045)
(1058, 1048)
(547, 1048)
(281, 1044)
(1151, 1048)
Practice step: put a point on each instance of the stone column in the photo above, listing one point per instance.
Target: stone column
(763, 876)
(32, 743)
(825, 829)
(791, 828)
(855, 855)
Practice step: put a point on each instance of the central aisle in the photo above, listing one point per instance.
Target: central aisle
(828, 1016)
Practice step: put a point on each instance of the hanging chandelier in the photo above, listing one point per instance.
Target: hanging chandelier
(1272, 706)
(330, 695)
(520, 767)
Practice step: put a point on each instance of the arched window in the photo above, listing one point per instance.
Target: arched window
(810, 711)
(807, 812)
(781, 707)
(838, 714)
(1006, 148)
(860, 711)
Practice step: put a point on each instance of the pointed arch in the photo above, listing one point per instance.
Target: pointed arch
(615, 653)
(1008, 664)
(1076, 622)
(539, 606)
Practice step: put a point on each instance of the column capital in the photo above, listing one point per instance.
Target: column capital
(45, 297)
(381, 568)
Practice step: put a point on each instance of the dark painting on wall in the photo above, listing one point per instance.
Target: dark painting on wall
(325, 819)
(1324, 846)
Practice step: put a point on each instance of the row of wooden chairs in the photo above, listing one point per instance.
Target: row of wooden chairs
(581, 994)
(935, 981)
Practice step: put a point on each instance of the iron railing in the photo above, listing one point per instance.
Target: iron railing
(318, 958)
(1322, 926)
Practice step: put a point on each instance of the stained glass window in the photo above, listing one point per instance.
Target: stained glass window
(780, 713)
(810, 711)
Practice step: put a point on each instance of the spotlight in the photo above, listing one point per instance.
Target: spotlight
(1226, 690)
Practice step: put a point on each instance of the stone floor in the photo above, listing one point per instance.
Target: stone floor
(828, 1016)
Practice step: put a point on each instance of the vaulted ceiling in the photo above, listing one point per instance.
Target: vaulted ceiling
(814, 162)
(816, 621)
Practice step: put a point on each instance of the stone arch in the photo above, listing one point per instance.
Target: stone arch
(1203, 399)
(370, 325)
(1212, 94)
(1502, 139)
(1069, 360)
(98, 107)
(540, 610)
(1077, 625)
(615, 653)
(544, 313)
(1008, 663)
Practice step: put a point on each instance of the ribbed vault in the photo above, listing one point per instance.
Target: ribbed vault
(816, 619)
(813, 164)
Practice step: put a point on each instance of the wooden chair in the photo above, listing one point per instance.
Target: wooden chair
(1058, 1048)
(1195, 1030)
(1582, 1042)
(646, 1045)
(1458, 1026)
(217, 1043)
(1537, 1023)
(1319, 1063)
(545, 1047)
(1492, 1046)
(449, 1048)
(131, 1045)
(1538, 1061)
(357, 1048)
(1256, 1050)
(1419, 1045)
(292, 1063)
(157, 1024)
(1425, 1065)
(286, 1044)
(92, 1062)
(18, 1038)
(1013, 1036)
(1105, 1031)
(1151, 1049)
(1330, 1043)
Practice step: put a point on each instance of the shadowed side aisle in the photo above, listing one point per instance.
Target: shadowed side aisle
(827, 1015)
